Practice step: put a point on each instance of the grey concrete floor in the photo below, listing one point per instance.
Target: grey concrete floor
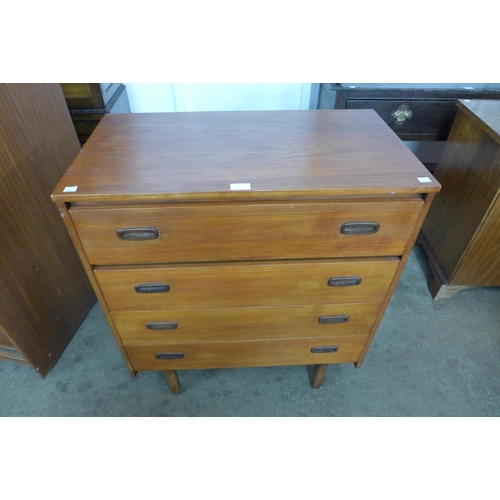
(428, 358)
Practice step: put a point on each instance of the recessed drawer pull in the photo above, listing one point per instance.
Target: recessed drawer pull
(324, 348)
(345, 281)
(330, 320)
(137, 233)
(163, 325)
(359, 227)
(169, 355)
(152, 288)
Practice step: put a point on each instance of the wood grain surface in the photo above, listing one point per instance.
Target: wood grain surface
(481, 264)
(45, 293)
(197, 156)
(485, 113)
(250, 284)
(227, 232)
(200, 355)
(5, 341)
(470, 176)
(245, 323)
(247, 269)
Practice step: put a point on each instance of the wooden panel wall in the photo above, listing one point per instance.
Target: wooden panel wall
(45, 292)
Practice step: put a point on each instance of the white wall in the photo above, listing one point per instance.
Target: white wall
(151, 97)
(167, 97)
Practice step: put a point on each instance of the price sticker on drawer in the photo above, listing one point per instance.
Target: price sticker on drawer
(240, 186)
(424, 179)
(70, 189)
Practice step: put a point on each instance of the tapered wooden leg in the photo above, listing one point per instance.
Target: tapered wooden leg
(173, 381)
(318, 376)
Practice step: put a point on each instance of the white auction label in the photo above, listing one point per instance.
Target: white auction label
(240, 186)
(70, 189)
(424, 179)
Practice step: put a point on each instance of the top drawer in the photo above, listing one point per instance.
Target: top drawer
(231, 232)
(412, 120)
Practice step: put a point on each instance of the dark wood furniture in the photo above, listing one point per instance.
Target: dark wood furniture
(45, 292)
(219, 240)
(415, 111)
(461, 235)
(89, 102)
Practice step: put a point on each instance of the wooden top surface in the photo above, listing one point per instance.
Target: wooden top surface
(486, 113)
(197, 156)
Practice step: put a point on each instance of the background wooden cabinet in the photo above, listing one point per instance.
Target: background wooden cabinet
(45, 292)
(461, 234)
(89, 102)
(414, 111)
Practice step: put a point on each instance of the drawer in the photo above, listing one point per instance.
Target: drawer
(247, 323)
(411, 119)
(201, 355)
(246, 284)
(222, 232)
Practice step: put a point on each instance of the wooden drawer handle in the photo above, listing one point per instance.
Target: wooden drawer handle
(320, 349)
(152, 288)
(163, 325)
(330, 320)
(359, 227)
(345, 281)
(137, 233)
(169, 355)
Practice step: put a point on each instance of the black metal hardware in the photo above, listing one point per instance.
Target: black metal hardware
(321, 349)
(345, 281)
(138, 233)
(169, 355)
(359, 227)
(161, 325)
(330, 320)
(152, 288)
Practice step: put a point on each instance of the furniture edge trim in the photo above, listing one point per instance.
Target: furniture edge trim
(409, 246)
(215, 196)
(433, 262)
(63, 209)
(477, 120)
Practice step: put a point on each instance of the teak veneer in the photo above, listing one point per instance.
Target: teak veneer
(461, 236)
(45, 294)
(229, 239)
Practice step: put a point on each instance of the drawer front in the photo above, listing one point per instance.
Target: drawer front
(194, 325)
(201, 355)
(246, 284)
(412, 117)
(201, 233)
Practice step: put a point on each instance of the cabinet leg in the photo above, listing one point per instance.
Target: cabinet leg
(173, 381)
(318, 375)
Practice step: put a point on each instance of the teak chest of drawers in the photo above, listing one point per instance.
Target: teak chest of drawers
(231, 239)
